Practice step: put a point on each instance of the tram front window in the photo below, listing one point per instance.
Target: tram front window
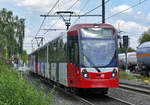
(98, 51)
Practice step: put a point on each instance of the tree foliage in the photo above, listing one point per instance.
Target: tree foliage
(11, 32)
(24, 56)
(123, 50)
(145, 37)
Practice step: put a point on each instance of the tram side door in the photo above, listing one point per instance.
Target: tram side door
(36, 63)
(73, 59)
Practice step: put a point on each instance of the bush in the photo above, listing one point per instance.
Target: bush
(124, 75)
(16, 91)
(3, 61)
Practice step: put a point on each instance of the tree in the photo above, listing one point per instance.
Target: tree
(145, 37)
(24, 56)
(123, 50)
(12, 33)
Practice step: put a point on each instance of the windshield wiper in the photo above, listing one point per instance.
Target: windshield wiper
(98, 70)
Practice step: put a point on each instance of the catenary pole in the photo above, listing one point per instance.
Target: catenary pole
(103, 11)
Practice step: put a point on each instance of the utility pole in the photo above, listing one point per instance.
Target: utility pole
(126, 56)
(103, 11)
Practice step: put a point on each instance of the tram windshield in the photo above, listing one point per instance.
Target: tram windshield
(98, 52)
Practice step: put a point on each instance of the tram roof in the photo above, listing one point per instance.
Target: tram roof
(78, 26)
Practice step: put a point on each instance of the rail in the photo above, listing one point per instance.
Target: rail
(125, 102)
(138, 88)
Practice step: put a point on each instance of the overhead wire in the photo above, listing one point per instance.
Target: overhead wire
(91, 11)
(96, 8)
(81, 11)
(60, 17)
(135, 5)
(140, 2)
(73, 4)
(45, 17)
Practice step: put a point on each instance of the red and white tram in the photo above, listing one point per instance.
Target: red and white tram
(83, 58)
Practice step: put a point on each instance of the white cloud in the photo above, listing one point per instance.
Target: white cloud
(35, 5)
(121, 8)
(132, 29)
(130, 26)
(45, 5)
(33, 2)
(139, 15)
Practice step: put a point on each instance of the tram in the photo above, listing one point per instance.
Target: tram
(85, 58)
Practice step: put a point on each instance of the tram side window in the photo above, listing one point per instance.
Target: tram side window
(73, 52)
(76, 54)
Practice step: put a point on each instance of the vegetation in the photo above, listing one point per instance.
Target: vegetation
(123, 50)
(13, 89)
(24, 56)
(143, 78)
(145, 37)
(12, 32)
(16, 91)
(124, 75)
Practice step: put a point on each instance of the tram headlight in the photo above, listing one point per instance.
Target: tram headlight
(114, 73)
(85, 74)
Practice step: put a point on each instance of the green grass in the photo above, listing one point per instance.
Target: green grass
(16, 91)
(124, 75)
(144, 78)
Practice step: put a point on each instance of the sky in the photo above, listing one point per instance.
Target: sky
(132, 22)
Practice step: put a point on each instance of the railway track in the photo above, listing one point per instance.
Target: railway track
(136, 88)
(98, 100)
(92, 99)
(105, 100)
(80, 99)
(122, 101)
